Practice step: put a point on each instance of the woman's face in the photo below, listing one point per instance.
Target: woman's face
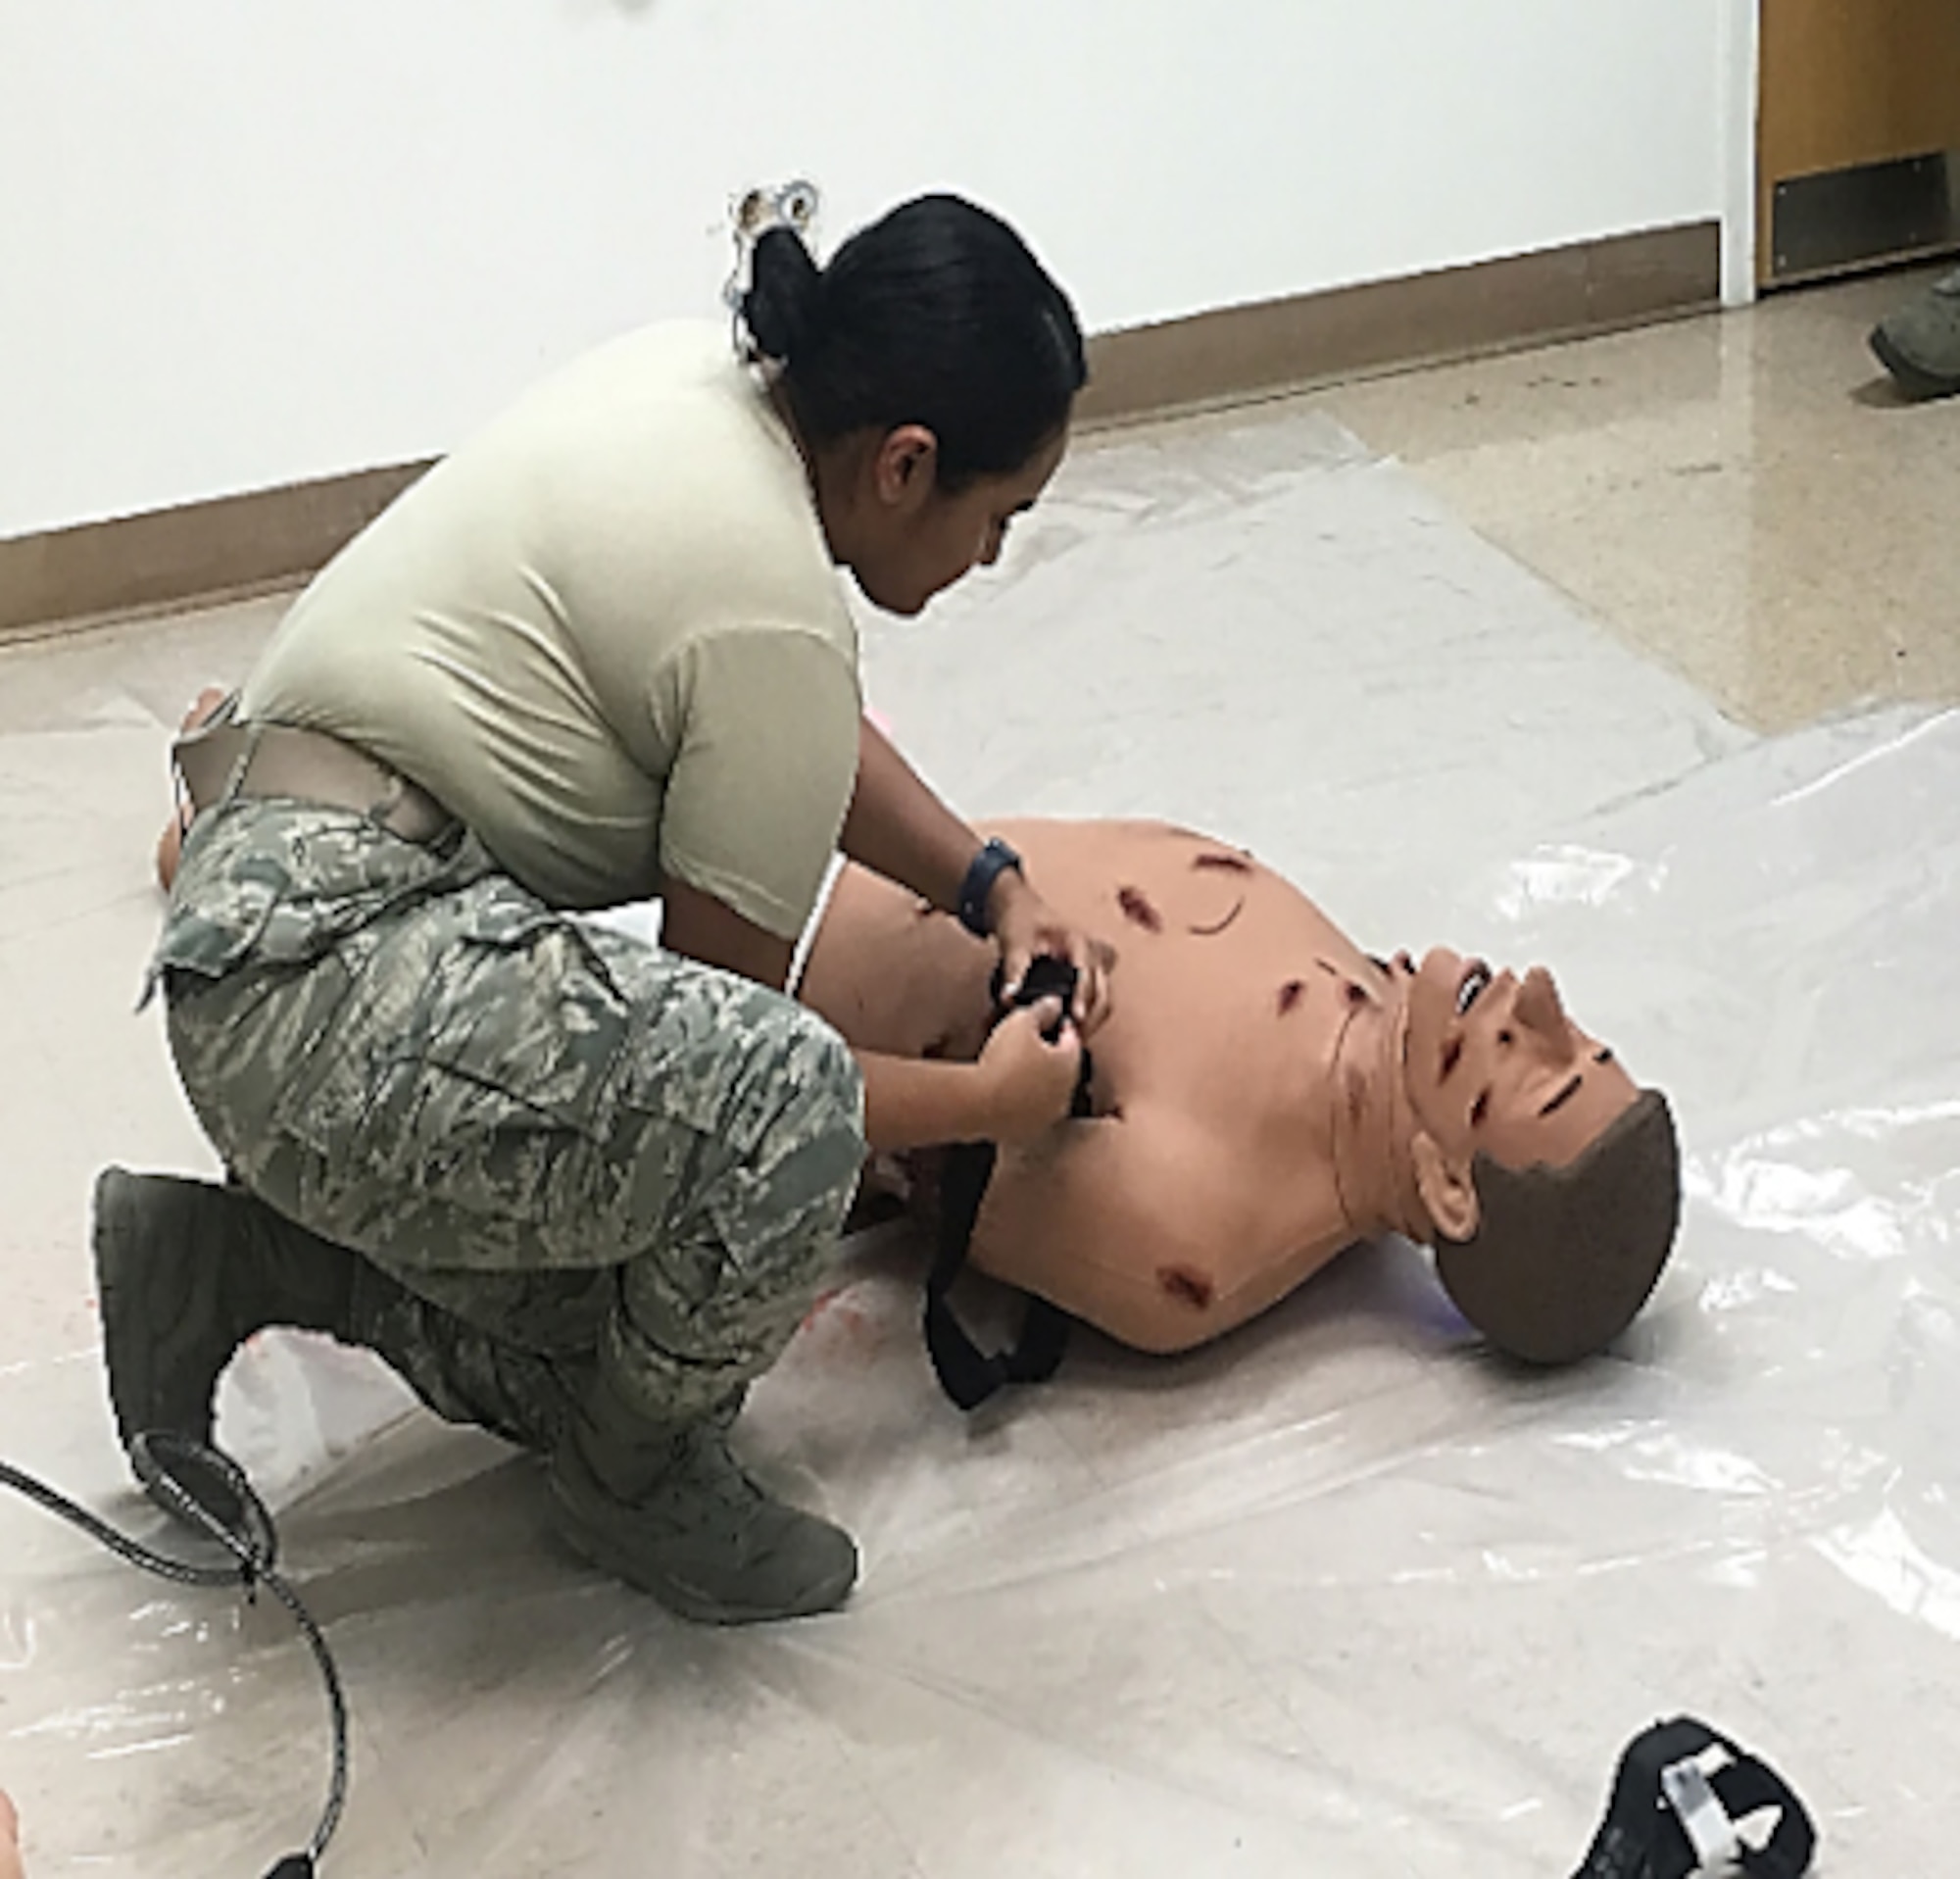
(921, 540)
(1495, 1065)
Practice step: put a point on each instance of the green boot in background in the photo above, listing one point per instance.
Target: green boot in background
(1920, 343)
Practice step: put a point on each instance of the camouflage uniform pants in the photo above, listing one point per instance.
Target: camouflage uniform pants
(566, 1148)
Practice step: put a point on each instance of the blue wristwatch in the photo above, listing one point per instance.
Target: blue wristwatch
(992, 861)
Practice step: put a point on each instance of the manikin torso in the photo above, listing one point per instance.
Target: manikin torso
(1204, 1187)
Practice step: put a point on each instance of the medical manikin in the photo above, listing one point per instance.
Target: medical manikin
(1267, 1095)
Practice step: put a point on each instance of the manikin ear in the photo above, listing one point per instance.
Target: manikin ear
(1445, 1186)
(906, 467)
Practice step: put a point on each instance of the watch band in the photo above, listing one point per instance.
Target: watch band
(992, 860)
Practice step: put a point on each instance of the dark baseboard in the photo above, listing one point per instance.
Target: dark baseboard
(1277, 346)
(235, 545)
(199, 552)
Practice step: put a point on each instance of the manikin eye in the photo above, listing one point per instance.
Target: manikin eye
(1478, 978)
(1563, 1097)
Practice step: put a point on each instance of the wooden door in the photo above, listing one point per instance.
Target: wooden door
(1858, 134)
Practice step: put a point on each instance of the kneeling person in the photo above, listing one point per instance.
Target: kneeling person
(576, 1188)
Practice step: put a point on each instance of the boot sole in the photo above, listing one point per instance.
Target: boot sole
(151, 1314)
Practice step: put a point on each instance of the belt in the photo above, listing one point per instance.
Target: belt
(222, 758)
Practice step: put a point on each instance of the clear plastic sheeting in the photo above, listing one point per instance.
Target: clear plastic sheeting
(1336, 1596)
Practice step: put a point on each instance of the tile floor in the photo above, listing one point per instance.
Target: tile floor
(1745, 497)
(1542, 653)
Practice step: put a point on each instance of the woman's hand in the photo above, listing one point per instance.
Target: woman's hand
(898, 828)
(1028, 1084)
(1027, 928)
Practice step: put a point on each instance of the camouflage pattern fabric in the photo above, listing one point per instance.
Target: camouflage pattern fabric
(570, 1148)
(463, 1374)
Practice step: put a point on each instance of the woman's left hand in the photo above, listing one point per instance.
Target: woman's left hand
(1027, 928)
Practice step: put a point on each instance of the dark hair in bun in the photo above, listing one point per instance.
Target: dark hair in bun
(936, 314)
(780, 308)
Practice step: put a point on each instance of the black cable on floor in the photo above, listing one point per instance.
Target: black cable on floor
(162, 1463)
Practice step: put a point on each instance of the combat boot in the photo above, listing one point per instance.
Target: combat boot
(1920, 343)
(185, 1271)
(666, 1507)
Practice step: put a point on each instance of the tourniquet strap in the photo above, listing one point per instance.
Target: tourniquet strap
(966, 1373)
(1666, 1808)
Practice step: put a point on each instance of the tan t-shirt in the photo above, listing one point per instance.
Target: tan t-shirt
(606, 633)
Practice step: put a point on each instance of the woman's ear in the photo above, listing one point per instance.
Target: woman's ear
(906, 467)
(1447, 1188)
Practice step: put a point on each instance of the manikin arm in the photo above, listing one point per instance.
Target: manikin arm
(1019, 1087)
(898, 828)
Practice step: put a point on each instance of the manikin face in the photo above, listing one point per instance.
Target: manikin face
(919, 541)
(1494, 1065)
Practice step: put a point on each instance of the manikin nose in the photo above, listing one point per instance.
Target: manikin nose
(1539, 1010)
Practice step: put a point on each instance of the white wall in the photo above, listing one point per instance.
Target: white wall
(249, 241)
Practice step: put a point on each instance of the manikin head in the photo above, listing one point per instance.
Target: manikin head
(1552, 1179)
(929, 372)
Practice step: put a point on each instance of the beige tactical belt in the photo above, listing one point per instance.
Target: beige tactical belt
(221, 759)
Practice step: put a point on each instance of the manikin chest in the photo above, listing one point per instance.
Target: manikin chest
(1232, 989)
